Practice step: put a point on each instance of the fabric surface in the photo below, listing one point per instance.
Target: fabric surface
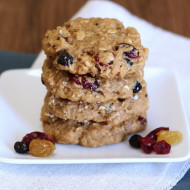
(167, 50)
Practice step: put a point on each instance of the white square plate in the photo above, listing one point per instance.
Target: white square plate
(21, 98)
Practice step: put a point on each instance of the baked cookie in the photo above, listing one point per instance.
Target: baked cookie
(96, 46)
(90, 133)
(112, 112)
(87, 88)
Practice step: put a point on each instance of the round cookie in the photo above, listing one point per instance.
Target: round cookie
(100, 47)
(87, 88)
(89, 133)
(112, 112)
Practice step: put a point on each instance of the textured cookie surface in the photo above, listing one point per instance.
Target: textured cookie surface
(101, 47)
(87, 88)
(112, 112)
(90, 133)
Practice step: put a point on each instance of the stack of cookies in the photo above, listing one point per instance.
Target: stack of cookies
(96, 94)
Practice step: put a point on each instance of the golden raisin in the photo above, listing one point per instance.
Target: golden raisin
(171, 137)
(41, 148)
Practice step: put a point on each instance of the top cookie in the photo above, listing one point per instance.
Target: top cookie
(101, 47)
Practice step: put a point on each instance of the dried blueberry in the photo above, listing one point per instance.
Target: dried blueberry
(134, 141)
(65, 59)
(129, 61)
(137, 87)
(21, 147)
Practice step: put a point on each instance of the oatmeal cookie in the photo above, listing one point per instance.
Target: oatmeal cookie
(96, 46)
(87, 88)
(112, 112)
(90, 133)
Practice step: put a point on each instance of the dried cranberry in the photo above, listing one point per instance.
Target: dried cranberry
(21, 147)
(35, 135)
(146, 149)
(65, 59)
(147, 144)
(142, 120)
(75, 78)
(89, 85)
(133, 53)
(137, 87)
(103, 64)
(81, 80)
(134, 141)
(162, 147)
(152, 134)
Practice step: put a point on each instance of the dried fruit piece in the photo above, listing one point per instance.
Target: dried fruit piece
(137, 87)
(162, 147)
(142, 120)
(35, 135)
(75, 78)
(131, 53)
(146, 149)
(134, 141)
(153, 134)
(147, 144)
(65, 59)
(81, 80)
(104, 58)
(128, 60)
(41, 148)
(21, 147)
(171, 137)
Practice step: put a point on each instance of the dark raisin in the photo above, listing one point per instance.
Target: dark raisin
(153, 133)
(96, 24)
(21, 147)
(134, 141)
(65, 59)
(121, 100)
(137, 87)
(142, 120)
(162, 147)
(35, 135)
(58, 38)
(129, 61)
